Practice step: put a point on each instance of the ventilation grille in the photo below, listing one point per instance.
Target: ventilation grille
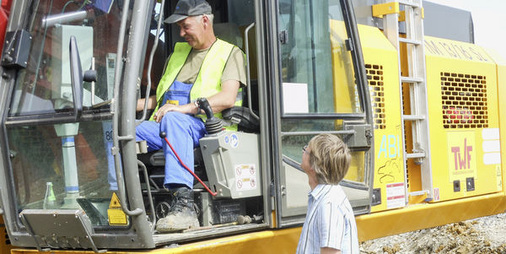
(375, 78)
(464, 100)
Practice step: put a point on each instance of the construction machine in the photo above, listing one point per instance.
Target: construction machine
(418, 107)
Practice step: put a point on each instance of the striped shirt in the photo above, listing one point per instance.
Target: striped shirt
(330, 222)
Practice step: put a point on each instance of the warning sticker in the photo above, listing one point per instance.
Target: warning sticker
(115, 214)
(245, 177)
(395, 195)
(117, 217)
(114, 201)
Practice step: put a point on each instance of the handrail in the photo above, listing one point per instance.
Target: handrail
(148, 187)
(150, 64)
(114, 109)
(248, 74)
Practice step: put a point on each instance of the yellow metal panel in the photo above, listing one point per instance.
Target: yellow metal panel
(402, 16)
(501, 81)
(463, 118)
(382, 69)
(5, 245)
(420, 216)
(270, 241)
(378, 10)
(501, 90)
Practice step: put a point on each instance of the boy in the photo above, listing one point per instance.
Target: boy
(330, 223)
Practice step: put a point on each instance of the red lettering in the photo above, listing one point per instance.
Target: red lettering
(456, 152)
(462, 161)
(468, 153)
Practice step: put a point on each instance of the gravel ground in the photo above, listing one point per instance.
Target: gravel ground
(481, 235)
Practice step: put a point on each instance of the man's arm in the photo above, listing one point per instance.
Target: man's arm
(151, 103)
(220, 101)
(226, 97)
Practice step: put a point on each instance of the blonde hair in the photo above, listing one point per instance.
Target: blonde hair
(329, 157)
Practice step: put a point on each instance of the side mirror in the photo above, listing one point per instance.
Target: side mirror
(76, 77)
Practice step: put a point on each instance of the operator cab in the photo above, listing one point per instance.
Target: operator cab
(227, 163)
(73, 175)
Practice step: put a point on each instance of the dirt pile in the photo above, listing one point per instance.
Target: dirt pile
(481, 235)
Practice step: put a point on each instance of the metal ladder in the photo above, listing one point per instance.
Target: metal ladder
(415, 81)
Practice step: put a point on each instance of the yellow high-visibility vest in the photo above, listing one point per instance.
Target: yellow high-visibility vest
(210, 72)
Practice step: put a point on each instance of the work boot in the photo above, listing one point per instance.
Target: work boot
(182, 214)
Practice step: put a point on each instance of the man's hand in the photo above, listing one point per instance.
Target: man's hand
(185, 109)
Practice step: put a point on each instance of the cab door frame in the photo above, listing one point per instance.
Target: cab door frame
(289, 216)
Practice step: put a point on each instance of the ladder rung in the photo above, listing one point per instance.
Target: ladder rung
(415, 155)
(419, 193)
(410, 41)
(409, 3)
(413, 117)
(411, 80)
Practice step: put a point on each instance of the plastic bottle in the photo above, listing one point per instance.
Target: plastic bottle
(49, 198)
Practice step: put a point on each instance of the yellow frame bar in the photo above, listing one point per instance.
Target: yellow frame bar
(379, 10)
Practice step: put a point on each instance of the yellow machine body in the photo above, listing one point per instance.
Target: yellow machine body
(463, 118)
(467, 126)
(464, 82)
(382, 68)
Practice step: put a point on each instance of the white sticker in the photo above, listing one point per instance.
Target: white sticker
(245, 177)
(395, 195)
(490, 133)
(491, 146)
(436, 194)
(491, 158)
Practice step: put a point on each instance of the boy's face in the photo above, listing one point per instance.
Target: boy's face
(305, 165)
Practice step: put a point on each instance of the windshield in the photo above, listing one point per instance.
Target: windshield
(65, 165)
(44, 86)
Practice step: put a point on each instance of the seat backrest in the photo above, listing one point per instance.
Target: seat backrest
(229, 32)
(243, 117)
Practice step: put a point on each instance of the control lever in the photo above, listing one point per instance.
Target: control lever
(213, 124)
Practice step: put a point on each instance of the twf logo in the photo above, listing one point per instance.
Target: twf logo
(462, 159)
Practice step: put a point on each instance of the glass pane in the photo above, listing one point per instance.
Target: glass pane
(356, 172)
(292, 145)
(317, 73)
(317, 69)
(65, 166)
(71, 160)
(44, 87)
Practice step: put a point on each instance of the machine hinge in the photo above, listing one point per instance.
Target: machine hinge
(283, 37)
(349, 44)
(15, 53)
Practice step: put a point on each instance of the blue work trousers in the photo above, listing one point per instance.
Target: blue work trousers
(183, 132)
